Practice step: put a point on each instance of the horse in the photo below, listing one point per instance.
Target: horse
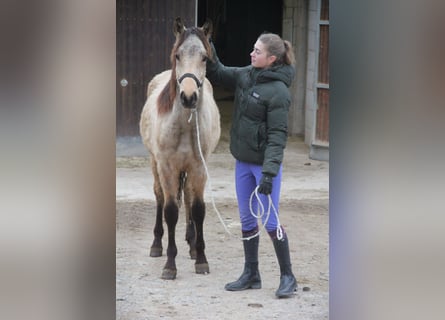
(169, 133)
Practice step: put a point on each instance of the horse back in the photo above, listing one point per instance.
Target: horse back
(211, 120)
(158, 83)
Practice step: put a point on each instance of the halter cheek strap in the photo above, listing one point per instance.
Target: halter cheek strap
(190, 75)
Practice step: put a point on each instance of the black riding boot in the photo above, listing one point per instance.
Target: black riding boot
(288, 283)
(250, 278)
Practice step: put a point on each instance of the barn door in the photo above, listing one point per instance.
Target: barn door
(322, 119)
(144, 38)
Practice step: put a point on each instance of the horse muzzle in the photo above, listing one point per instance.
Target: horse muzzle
(189, 101)
(188, 94)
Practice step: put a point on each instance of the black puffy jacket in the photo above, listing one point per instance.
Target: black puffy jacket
(258, 132)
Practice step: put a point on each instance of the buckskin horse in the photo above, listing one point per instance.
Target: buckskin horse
(168, 130)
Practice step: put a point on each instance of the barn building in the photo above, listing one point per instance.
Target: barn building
(144, 40)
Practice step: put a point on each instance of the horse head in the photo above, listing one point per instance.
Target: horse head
(189, 57)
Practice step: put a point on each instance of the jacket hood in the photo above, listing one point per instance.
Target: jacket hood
(284, 73)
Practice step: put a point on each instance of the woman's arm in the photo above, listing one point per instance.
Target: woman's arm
(219, 74)
(276, 130)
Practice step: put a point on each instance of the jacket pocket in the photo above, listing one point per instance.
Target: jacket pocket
(253, 135)
(261, 136)
(256, 108)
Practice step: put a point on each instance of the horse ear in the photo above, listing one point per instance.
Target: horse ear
(208, 28)
(178, 26)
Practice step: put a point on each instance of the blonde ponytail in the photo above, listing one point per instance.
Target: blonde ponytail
(289, 57)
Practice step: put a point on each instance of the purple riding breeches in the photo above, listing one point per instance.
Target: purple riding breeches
(247, 177)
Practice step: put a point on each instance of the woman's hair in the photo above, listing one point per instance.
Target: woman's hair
(278, 47)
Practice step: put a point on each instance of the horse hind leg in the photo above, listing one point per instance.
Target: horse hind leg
(158, 231)
(190, 234)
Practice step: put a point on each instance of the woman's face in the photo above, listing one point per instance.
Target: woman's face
(259, 56)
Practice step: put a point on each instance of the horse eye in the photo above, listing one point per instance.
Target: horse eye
(177, 57)
(204, 59)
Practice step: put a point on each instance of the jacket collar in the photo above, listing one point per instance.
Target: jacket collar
(283, 73)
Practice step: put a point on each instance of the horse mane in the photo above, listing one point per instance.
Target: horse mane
(168, 94)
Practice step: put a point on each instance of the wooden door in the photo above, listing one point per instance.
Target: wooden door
(144, 39)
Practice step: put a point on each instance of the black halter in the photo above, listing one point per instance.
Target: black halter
(190, 75)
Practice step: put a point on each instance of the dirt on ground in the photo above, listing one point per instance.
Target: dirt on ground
(142, 294)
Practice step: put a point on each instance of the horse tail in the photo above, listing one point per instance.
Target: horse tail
(182, 181)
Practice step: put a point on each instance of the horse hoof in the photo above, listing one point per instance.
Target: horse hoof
(155, 252)
(168, 274)
(192, 254)
(202, 268)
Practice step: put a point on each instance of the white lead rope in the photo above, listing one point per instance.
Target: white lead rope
(261, 211)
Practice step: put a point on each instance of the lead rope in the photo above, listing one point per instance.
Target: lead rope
(260, 208)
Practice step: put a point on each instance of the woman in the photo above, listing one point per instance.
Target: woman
(258, 137)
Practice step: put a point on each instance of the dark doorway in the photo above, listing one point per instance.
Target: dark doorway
(237, 25)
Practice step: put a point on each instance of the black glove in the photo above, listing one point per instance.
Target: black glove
(265, 184)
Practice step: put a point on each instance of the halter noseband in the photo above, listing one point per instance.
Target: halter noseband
(190, 75)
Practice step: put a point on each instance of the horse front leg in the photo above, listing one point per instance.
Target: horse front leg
(158, 231)
(171, 210)
(198, 215)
